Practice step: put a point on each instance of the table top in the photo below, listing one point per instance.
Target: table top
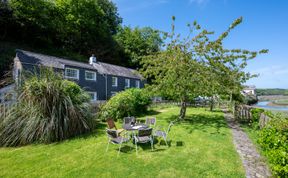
(135, 127)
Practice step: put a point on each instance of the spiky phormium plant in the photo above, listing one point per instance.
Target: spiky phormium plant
(49, 109)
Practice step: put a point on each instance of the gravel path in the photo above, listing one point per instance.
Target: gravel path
(253, 164)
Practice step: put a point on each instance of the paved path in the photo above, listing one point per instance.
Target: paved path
(253, 164)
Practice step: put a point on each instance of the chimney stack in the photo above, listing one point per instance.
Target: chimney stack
(92, 59)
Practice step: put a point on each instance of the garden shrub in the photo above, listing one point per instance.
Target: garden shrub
(256, 112)
(250, 100)
(49, 109)
(131, 102)
(273, 139)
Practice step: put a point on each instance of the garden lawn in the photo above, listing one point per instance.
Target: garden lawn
(201, 146)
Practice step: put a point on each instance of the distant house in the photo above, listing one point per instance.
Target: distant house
(99, 79)
(249, 90)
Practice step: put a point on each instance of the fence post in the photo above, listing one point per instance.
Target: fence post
(263, 120)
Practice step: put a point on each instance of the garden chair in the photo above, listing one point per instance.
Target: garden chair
(111, 125)
(114, 138)
(151, 121)
(144, 136)
(129, 120)
(163, 133)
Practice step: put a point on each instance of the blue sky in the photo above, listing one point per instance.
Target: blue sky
(265, 26)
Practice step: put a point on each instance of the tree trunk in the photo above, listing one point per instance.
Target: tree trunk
(212, 103)
(182, 110)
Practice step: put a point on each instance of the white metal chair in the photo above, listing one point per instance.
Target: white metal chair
(114, 138)
(144, 136)
(163, 133)
(151, 121)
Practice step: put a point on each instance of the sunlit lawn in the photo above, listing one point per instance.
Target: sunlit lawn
(201, 146)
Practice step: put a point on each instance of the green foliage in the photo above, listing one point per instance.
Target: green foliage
(273, 91)
(238, 97)
(131, 102)
(256, 112)
(274, 142)
(49, 109)
(84, 27)
(196, 65)
(138, 42)
(250, 99)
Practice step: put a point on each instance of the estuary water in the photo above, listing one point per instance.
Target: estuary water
(264, 105)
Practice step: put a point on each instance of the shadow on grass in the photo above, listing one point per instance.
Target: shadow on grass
(147, 147)
(179, 143)
(149, 113)
(201, 122)
(126, 149)
(163, 143)
(98, 130)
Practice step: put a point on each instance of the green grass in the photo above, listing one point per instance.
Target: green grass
(207, 151)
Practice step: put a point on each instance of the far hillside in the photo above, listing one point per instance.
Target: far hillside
(272, 91)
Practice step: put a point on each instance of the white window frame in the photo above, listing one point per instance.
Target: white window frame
(95, 75)
(95, 98)
(116, 82)
(137, 83)
(77, 77)
(113, 93)
(127, 79)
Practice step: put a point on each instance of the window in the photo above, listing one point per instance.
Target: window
(93, 96)
(127, 83)
(71, 73)
(89, 75)
(113, 93)
(137, 84)
(18, 76)
(114, 81)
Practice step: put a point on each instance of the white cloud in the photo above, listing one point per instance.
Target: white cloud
(271, 71)
(274, 76)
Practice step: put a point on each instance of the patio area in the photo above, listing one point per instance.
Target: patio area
(201, 146)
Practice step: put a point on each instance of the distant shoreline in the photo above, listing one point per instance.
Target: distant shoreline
(272, 98)
(275, 100)
(272, 103)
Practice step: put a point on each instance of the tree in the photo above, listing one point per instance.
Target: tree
(196, 65)
(87, 26)
(138, 42)
(80, 26)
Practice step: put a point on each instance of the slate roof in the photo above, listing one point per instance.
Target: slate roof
(249, 87)
(32, 58)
